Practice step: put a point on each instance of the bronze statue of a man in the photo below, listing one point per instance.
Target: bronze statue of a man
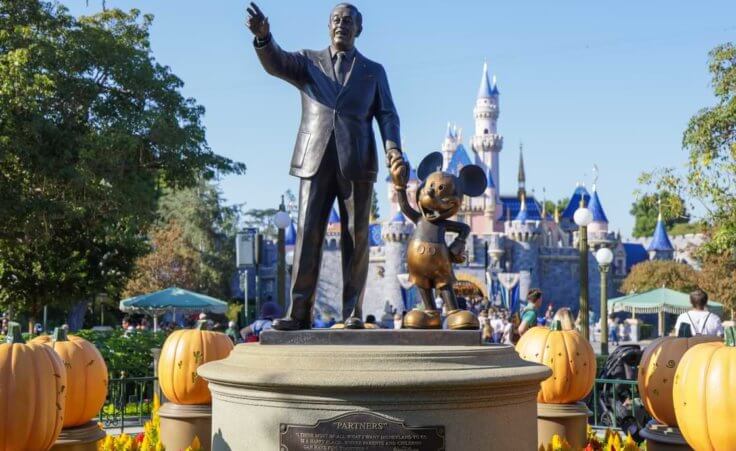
(335, 153)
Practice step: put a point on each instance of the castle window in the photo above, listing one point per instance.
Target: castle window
(485, 131)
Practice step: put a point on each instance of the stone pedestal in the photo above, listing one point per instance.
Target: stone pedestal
(663, 438)
(79, 438)
(373, 397)
(180, 423)
(569, 421)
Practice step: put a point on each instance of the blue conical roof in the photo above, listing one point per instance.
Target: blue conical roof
(450, 133)
(485, 85)
(334, 218)
(399, 217)
(574, 203)
(660, 240)
(597, 209)
(494, 87)
(523, 214)
(489, 178)
(290, 234)
(459, 159)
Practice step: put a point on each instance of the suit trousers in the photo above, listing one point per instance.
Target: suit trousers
(317, 194)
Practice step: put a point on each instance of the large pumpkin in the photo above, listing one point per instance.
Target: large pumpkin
(657, 373)
(703, 393)
(183, 352)
(32, 384)
(86, 376)
(570, 357)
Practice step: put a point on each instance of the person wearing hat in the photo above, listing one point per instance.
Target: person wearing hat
(529, 314)
(269, 311)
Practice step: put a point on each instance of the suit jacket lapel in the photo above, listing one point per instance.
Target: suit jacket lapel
(325, 63)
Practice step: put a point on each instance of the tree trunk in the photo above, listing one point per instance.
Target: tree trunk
(75, 319)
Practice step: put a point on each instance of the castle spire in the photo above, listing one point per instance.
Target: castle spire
(522, 174)
(484, 90)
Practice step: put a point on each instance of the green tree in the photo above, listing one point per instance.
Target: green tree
(91, 129)
(261, 219)
(653, 274)
(718, 278)
(710, 140)
(561, 204)
(646, 211)
(375, 214)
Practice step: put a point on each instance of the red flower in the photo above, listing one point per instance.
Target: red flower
(139, 438)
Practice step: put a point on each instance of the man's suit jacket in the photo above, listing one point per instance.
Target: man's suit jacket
(327, 107)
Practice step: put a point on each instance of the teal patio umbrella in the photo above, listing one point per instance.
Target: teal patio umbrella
(174, 299)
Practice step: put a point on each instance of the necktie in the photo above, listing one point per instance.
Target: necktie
(339, 72)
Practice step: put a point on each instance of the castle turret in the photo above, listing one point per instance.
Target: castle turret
(661, 247)
(449, 144)
(486, 142)
(395, 234)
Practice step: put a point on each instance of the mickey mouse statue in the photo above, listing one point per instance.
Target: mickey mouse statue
(429, 257)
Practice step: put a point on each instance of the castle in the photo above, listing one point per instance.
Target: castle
(514, 240)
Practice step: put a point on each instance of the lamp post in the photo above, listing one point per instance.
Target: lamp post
(604, 256)
(282, 220)
(583, 217)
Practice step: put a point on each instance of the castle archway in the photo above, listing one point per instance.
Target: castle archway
(469, 286)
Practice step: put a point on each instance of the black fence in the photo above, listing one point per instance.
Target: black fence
(129, 402)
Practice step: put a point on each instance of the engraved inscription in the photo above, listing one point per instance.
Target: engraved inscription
(361, 431)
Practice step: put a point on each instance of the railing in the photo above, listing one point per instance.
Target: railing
(616, 404)
(129, 402)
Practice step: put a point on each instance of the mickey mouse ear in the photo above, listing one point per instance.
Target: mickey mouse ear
(431, 163)
(473, 180)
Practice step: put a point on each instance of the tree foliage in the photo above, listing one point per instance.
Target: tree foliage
(710, 140)
(646, 211)
(650, 275)
(192, 244)
(91, 129)
(718, 278)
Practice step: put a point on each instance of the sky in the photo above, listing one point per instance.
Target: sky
(611, 84)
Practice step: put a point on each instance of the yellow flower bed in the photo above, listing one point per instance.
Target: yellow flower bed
(148, 440)
(612, 441)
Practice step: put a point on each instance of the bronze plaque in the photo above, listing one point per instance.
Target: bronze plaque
(361, 431)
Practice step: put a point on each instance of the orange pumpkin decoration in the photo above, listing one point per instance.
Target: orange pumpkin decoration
(657, 373)
(87, 376)
(703, 394)
(32, 384)
(570, 357)
(182, 353)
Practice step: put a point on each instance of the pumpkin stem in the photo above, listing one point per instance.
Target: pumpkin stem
(200, 324)
(14, 335)
(556, 325)
(730, 336)
(685, 331)
(60, 334)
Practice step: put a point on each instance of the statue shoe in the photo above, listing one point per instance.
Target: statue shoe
(354, 323)
(416, 319)
(434, 319)
(462, 320)
(290, 324)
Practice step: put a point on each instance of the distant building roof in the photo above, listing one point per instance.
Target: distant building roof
(459, 159)
(522, 216)
(511, 206)
(597, 209)
(494, 86)
(399, 217)
(290, 234)
(374, 235)
(635, 253)
(334, 218)
(574, 203)
(660, 240)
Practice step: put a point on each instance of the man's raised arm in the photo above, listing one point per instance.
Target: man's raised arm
(288, 66)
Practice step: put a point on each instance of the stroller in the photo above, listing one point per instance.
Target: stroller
(617, 405)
